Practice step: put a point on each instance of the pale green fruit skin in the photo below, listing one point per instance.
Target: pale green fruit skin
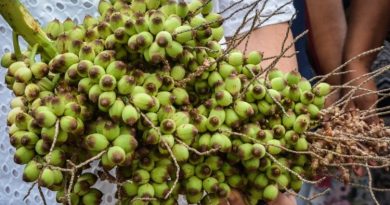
(210, 184)
(302, 123)
(160, 189)
(116, 154)
(172, 22)
(194, 198)
(106, 99)
(143, 101)
(232, 118)
(178, 72)
(194, 6)
(274, 150)
(278, 84)
(130, 115)
(283, 180)
(31, 171)
(146, 190)
(159, 174)
(261, 181)
(116, 110)
(220, 141)
(270, 192)
(245, 151)
(96, 142)
(293, 77)
(167, 126)
(322, 89)
(226, 98)
(194, 184)
(243, 109)
(180, 152)
(296, 185)
(216, 114)
(304, 85)
(301, 144)
(217, 33)
(274, 73)
(92, 197)
(145, 176)
(58, 177)
(236, 58)
(201, 124)
(188, 170)
(233, 85)
(289, 119)
(126, 85)
(313, 110)
(12, 115)
(47, 177)
(186, 132)
(183, 34)
(254, 57)
(126, 142)
(23, 155)
(319, 101)
(131, 189)
(225, 69)
(180, 118)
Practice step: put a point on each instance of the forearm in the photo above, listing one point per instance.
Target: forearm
(368, 27)
(327, 33)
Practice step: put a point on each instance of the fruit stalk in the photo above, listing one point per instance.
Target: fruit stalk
(24, 24)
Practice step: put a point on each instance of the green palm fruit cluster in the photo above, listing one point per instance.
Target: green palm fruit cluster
(115, 87)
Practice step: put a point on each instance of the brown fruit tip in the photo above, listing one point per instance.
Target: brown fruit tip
(117, 158)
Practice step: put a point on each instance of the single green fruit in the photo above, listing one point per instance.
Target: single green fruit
(180, 152)
(273, 146)
(31, 171)
(270, 192)
(116, 154)
(46, 178)
(23, 155)
(96, 142)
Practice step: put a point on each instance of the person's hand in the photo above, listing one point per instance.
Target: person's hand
(365, 100)
(284, 199)
(236, 198)
(331, 99)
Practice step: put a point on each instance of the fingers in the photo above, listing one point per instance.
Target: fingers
(331, 99)
(368, 100)
(236, 198)
(223, 202)
(359, 171)
(351, 105)
(285, 199)
(360, 78)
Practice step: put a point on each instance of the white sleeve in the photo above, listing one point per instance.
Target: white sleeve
(271, 12)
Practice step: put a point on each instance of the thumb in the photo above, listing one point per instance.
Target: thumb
(236, 198)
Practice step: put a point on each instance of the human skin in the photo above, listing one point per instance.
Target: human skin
(235, 198)
(327, 38)
(334, 45)
(269, 39)
(338, 39)
(367, 29)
